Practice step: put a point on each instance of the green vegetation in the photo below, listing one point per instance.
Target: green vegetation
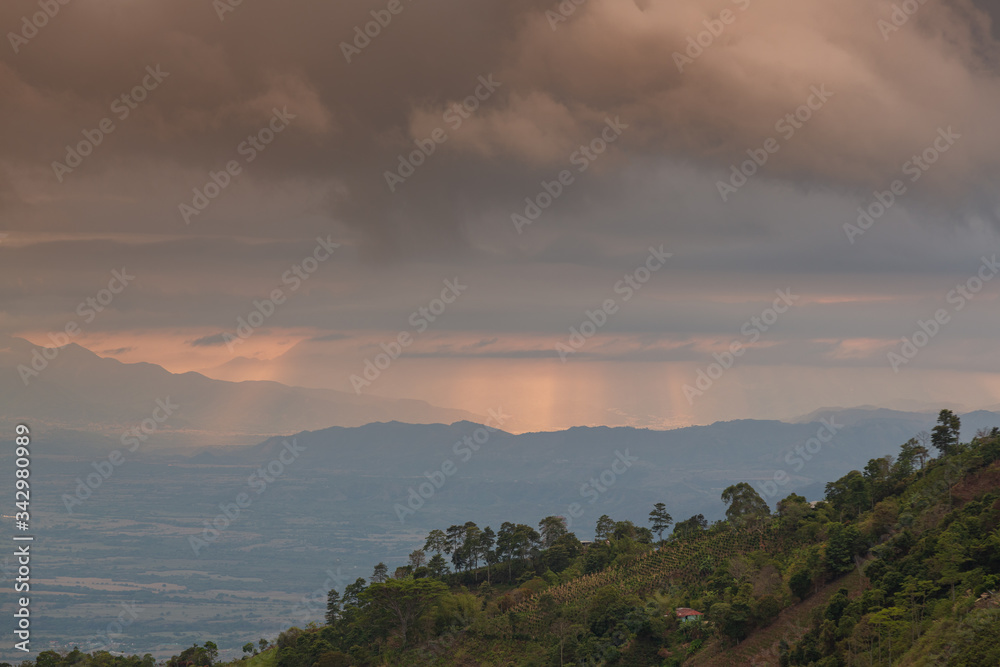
(898, 566)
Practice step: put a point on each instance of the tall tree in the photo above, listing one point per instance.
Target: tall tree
(437, 541)
(437, 565)
(909, 453)
(526, 540)
(877, 474)
(380, 574)
(470, 545)
(552, 528)
(332, 606)
(485, 549)
(505, 545)
(417, 558)
(945, 435)
(660, 519)
(745, 504)
(605, 527)
(352, 594)
(455, 537)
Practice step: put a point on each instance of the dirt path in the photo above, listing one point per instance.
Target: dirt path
(761, 648)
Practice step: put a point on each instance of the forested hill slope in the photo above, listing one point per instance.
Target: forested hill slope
(900, 565)
(903, 556)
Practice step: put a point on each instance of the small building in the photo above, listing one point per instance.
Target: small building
(686, 614)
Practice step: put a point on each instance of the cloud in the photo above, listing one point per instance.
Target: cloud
(609, 59)
(213, 340)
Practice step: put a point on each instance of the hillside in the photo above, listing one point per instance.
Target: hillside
(900, 564)
(896, 561)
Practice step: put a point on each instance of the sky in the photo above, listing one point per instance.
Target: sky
(625, 212)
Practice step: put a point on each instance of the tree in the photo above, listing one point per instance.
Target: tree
(212, 649)
(877, 474)
(526, 540)
(505, 544)
(262, 643)
(332, 606)
(745, 504)
(731, 620)
(605, 526)
(692, 527)
(793, 508)
(380, 574)
(417, 558)
(454, 537)
(556, 558)
(627, 529)
(909, 452)
(352, 593)
(484, 548)
(552, 528)
(437, 541)
(198, 656)
(563, 629)
(405, 599)
(248, 648)
(660, 519)
(800, 583)
(945, 435)
(437, 565)
(849, 494)
(843, 544)
(467, 552)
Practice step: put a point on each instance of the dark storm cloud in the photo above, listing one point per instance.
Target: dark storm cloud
(610, 59)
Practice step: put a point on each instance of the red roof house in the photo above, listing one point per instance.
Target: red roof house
(687, 614)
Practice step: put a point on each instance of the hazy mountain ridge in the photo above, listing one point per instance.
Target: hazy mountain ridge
(81, 390)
